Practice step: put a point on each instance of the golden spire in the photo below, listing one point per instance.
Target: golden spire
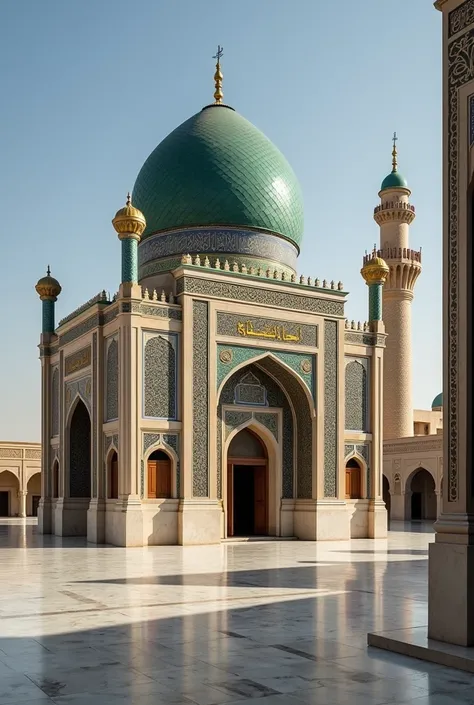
(218, 94)
(394, 153)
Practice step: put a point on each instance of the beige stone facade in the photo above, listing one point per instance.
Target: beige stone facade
(275, 359)
(20, 483)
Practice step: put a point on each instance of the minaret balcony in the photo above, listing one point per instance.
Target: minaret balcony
(394, 211)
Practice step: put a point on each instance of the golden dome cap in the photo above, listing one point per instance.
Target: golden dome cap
(48, 287)
(129, 220)
(375, 269)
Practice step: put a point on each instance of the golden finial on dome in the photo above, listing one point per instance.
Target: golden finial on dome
(218, 77)
(375, 269)
(129, 221)
(394, 153)
(48, 288)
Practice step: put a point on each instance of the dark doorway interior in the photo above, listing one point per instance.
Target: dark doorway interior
(80, 453)
(4, 497)
(244, 500)
(416, 506)
(35, 503)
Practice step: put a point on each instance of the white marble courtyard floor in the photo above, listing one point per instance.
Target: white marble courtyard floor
(275, 622)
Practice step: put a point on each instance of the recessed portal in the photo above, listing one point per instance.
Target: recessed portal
(247, 486)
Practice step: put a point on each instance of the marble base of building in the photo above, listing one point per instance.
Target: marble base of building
(199, 521)
(45, 519)
(378, 520)
(70, 517)
(96, 521)
(188, 522)
(451, 620)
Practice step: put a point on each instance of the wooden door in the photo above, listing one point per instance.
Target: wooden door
(348, 483)
(260, 499)
(152, 479)
(159, 479)
(230, 500)
(163, 478)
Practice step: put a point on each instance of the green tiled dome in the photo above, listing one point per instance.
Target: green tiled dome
(437, 401)
(394, 180)
(218, 169)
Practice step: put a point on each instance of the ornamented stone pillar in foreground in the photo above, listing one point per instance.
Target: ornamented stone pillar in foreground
(451, 557)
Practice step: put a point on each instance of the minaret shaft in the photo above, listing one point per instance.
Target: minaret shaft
(394, 216)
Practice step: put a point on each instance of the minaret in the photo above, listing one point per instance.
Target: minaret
(394, 216)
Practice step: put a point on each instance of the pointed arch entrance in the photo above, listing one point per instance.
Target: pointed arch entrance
(80, 452)
(247, 485)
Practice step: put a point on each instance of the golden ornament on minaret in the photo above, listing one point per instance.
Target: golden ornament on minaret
(48, 288)
(375, 269)
(129, 221)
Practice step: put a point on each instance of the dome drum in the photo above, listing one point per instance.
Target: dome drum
(163, 251)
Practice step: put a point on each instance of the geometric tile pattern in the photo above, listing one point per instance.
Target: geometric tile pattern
(271, 297)
(160, 370)
(330, 407)
(301, 363)
(112, 401)
(200, 399)
(356, 391)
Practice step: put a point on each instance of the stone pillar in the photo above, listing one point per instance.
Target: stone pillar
(45, 505)
(96, 511)
(22, 494)
(451, 557)
(129, 521)
(377, 509)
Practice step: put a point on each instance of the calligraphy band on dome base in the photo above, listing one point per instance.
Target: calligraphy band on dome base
(223, 242)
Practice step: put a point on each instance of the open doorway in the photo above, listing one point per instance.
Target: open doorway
(247, 486)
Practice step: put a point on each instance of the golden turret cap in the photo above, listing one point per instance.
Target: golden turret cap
(129, 220)
(375, 269)
(48, 287)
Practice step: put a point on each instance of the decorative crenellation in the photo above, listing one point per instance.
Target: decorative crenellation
(159, 296)
(399, 211)
(404, 265)
(101, 298)
(268, 273)
(353, 325)
(404, 254)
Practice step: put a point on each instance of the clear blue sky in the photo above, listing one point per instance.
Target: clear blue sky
(90, 88)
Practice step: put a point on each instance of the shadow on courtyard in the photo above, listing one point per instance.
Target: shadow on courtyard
(230, 654)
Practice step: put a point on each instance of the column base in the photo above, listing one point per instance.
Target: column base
(199, 521)
(397, 507)
(45, 516)
(378, 520)
(450, 593)
(321, 520)
(124, 523)
(96, 521)
(70, 516)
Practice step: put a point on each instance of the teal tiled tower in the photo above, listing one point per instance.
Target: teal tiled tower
(375, 272)
(129, 223)
(48, 289)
